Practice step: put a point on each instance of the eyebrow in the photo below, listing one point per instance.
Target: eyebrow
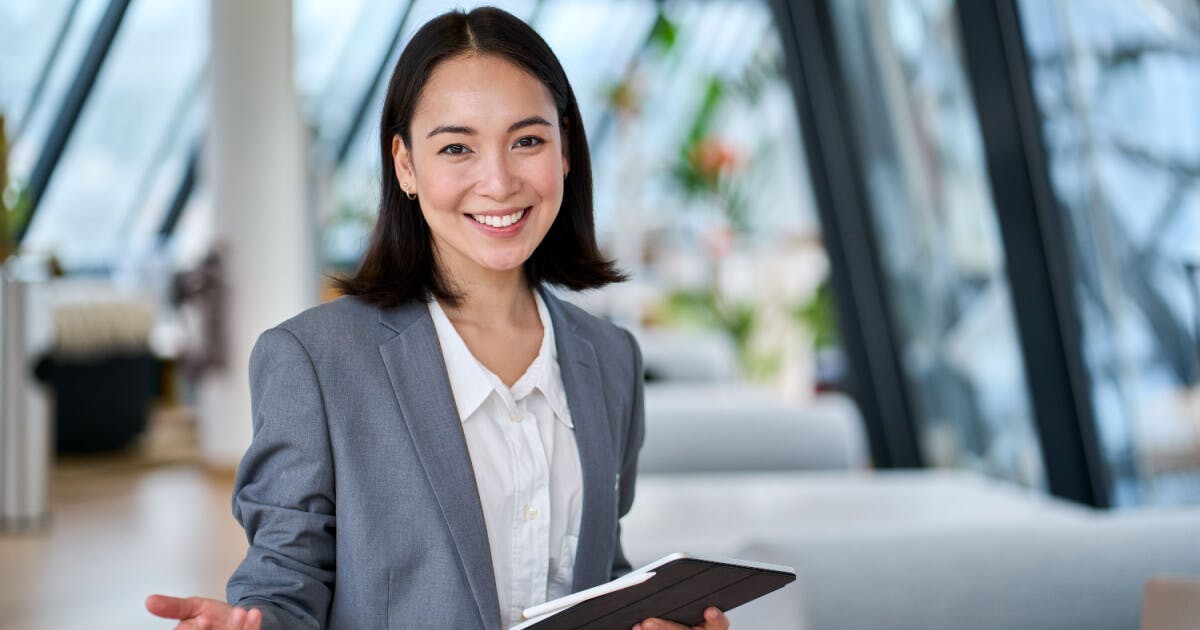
(520, 124)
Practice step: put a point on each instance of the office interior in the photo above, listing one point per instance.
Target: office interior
(917, 284)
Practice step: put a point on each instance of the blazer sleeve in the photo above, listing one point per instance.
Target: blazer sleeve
(284, 491)
(634, 436)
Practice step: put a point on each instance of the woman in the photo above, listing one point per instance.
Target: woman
(449, 443)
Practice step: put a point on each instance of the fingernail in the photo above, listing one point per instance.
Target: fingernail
(650, 625)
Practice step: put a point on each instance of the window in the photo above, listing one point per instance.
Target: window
(1118, 85)
(940, 247)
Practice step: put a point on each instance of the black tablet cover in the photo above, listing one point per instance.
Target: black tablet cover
(681, 589)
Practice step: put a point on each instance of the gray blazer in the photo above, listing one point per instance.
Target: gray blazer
(357, 493)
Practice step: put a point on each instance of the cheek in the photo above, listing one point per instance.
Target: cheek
(442, 192)
(548, 181)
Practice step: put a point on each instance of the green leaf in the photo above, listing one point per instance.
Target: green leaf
(664, 33)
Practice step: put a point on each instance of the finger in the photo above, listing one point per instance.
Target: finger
(661, 624)
(237, 618)
(714, 619)
(253, 620)
(172, 607)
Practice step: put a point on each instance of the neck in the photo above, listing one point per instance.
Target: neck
(499, 299)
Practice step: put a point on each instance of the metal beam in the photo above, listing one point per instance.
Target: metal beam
(183, 192)
(838, 185)
(1038, 249)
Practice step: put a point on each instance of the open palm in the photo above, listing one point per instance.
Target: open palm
(201, 613)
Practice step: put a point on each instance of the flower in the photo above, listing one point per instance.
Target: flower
(711, 158)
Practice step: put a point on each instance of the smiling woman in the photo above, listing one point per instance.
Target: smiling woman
(449, 443)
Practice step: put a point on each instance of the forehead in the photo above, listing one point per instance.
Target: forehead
(481, 88)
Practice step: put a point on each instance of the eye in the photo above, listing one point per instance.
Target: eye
(529, 141)
(454, 149)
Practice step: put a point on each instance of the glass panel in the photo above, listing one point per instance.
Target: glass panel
(338, 47)
(29, 33)
(697, 157)
(595, 41)
(1118, 84)
(322, 32)
(938, 238)
(138, 108)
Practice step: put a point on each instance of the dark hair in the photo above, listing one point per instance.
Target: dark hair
(399, 263)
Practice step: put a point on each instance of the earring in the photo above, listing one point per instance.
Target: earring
(411, 196)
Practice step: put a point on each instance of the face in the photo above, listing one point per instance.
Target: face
(487, 163)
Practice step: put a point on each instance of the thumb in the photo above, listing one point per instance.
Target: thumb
(173, 607)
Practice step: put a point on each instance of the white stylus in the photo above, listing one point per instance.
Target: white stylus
(633, 579)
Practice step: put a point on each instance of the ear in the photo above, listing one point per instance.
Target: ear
(402, 164)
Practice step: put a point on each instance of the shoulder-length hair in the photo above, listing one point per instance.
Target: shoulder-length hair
(399, 264)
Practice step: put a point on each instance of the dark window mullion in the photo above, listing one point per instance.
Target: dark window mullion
(839, 189)
(1038, 249)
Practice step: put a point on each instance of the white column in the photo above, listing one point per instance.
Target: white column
(256, 157)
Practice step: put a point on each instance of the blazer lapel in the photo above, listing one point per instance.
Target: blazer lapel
(417, 372)
(585, 398)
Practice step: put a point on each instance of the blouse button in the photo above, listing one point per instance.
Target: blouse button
(531, 513)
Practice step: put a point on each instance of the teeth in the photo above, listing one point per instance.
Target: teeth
(499, 222)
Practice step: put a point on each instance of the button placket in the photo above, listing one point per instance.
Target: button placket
(537, 512)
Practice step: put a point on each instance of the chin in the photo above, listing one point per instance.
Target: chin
(506, 263)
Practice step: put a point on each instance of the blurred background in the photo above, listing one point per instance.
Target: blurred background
(917, 283)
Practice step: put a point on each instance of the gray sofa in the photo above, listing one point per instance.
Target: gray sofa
(694, 427)
(935, 550)
(730, 470)
(1087, 572)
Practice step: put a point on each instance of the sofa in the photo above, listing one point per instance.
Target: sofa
(1088, 572)
(730, 469)
(916, 549)
(697, 427)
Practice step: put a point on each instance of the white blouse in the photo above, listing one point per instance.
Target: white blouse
(522, 446)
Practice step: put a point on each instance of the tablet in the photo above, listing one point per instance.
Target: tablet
(678, 588)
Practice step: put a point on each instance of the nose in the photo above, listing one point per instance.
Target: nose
(498, 178)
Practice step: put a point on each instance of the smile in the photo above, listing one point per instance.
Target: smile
(501, 221)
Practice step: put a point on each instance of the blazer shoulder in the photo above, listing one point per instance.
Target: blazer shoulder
(336, 322)
(606, 335)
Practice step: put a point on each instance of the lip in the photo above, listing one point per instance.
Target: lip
(501, 232)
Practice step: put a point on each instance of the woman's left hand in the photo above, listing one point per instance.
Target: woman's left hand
(714, 619)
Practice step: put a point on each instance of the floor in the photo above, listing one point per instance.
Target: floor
(123, 526)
